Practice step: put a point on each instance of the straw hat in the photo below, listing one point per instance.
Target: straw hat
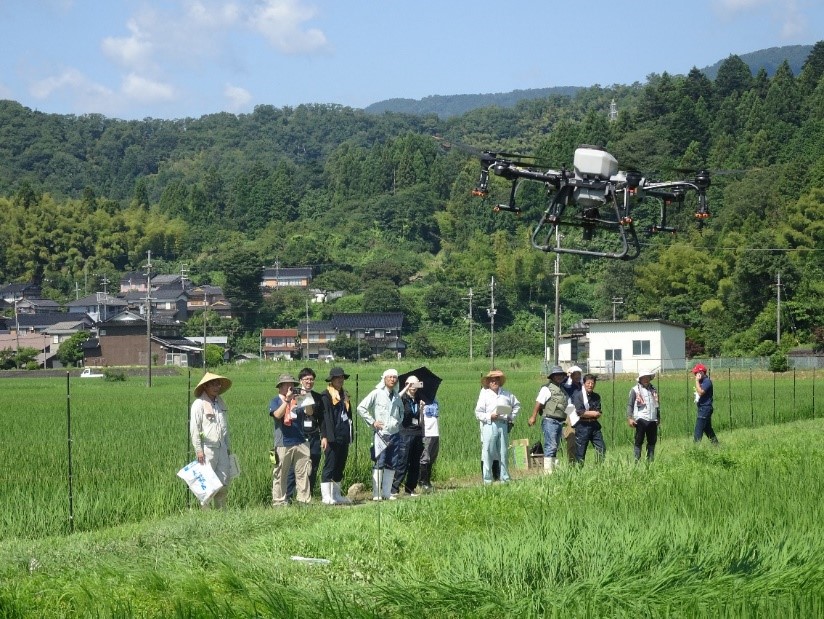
(208, 377)
(494, 374)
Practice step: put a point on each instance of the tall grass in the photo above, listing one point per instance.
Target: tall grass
(723, 532)
(127, 441)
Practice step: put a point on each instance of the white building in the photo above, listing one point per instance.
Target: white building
(627, 346)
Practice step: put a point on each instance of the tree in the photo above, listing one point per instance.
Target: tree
(242, 268)
(71, 350)
(349, 348)
(382, 295)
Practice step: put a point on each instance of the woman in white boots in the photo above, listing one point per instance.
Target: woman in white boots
(336, 436)
(382, 410)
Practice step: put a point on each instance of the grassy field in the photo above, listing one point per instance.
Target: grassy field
(704, 532)
(128, 440)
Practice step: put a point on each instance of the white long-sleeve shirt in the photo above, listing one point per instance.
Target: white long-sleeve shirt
(488, 402)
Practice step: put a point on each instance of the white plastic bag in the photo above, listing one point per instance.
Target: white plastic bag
(201, 480)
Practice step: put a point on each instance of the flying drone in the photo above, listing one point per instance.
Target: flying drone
(595, 195)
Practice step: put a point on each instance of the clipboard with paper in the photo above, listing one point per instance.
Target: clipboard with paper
(378, 445)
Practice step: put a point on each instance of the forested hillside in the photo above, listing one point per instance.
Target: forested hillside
(384, 212)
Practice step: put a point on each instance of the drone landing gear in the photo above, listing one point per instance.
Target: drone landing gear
(546, 238)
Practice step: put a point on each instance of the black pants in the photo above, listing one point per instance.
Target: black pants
(408, 462)
(334, 462)
(645, 430)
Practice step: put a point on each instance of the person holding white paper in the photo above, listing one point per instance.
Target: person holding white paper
(209, 432)
(496, 409)
(587, 427)
(382, 410)
(291, 446)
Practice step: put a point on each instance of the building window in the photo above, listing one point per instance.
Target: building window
(640, 347)
(612, 354)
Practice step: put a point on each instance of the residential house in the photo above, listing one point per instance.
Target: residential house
(317, 335)
(30, 339)
(123, 340)
(100, 306)
(35, 323)
(208, 297)
(285, 277)
(37, 306)
(61, 331)
(28, 290)
(168, 300)
(381, 331)
(279, 343)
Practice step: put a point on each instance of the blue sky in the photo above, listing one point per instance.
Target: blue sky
(185, 58)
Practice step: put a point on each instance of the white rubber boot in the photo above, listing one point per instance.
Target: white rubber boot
(377, 479)
(337, 496)
(326, 493)
(549, 465)
(386, 487)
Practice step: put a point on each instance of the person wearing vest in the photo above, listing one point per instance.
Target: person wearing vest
(551, 404)
(643, 414)
(495, 410)
(587, 427)
(335, 436)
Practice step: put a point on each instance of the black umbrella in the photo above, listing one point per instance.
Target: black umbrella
(430, 380)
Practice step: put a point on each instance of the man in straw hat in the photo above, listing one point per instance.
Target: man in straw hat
(551, 403)
(291, 446)
(495, 410)
(209, 431)
(643, 414)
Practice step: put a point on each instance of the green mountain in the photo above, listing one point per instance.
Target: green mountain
(446, 106)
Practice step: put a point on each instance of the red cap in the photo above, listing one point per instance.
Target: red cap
(699, 367)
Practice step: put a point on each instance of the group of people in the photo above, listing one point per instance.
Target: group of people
(405, 432)
(570, 410)
(308, 424)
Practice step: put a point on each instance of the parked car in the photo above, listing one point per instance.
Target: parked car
(89, 373)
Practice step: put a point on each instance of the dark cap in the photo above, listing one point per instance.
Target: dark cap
(557, 369)
(335, 372)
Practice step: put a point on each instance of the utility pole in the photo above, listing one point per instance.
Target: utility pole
(307, 328)
(470, 324)
(778, 311)
(17, 336)
(556, 331)
(149, 318)
(491, 312)
(616, 301)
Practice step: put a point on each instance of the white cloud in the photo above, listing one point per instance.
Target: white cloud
(136, 87)
(134, 51)
(281, 22)
(237, 97)
(736, 6)
(72, 80)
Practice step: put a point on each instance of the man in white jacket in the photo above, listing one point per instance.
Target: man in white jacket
(382, 410)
